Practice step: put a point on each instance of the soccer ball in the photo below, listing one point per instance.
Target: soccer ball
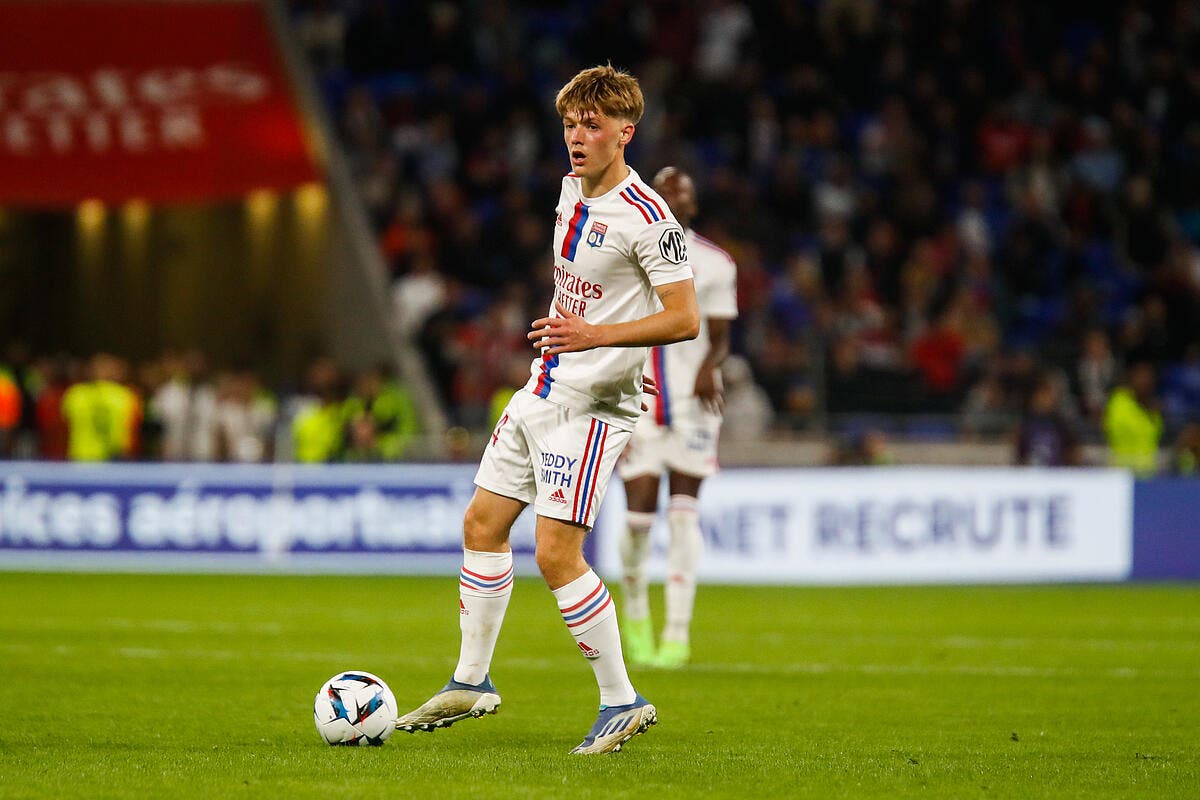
(355, 708)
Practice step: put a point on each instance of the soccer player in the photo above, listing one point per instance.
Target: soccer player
(622, 284)
(679, 436)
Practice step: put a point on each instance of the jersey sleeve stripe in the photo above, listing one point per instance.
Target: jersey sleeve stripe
(640, 192)
(654, 211)
(636, 205)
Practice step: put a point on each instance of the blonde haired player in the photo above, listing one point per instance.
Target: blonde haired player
(622, 284)
(679, 436)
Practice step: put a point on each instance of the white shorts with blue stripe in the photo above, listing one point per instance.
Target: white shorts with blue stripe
(554, 457)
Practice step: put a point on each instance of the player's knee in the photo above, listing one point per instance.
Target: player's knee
(558, 564)
(478, 533)
(549, 560)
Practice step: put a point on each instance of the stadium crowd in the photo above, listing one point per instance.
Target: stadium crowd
(951, 219)
(174, 408)
(935, 207)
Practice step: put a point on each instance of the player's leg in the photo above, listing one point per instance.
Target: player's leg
(484, 586)
(583, 453)
(637, 629)
(683, 559)
(504, 487)
(591, 617)
(485, 582)
(639, 467)
(587, 608)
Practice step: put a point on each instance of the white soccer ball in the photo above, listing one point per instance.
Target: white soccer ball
(355, 708)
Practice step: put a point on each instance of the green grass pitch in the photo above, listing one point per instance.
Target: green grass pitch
(201, 686)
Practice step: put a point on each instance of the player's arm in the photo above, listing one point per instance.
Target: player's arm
(571, 333)
(707, 390)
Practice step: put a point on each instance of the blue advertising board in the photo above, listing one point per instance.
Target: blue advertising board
(886, 525)
(393, 518)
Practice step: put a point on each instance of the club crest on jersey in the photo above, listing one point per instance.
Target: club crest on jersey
(596, 234)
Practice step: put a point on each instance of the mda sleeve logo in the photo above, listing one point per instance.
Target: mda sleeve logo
(672, 246)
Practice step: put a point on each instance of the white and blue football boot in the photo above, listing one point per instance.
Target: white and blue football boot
(454, 702)
(616, 725)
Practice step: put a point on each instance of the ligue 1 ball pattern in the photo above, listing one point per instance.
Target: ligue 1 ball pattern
(355, 708)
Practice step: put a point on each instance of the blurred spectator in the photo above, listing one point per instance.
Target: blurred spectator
(185, 406)
(10, 411)
(52, 429)
(319, 424)
(1132, 422)
(1046, 438)
(382, 417)
(938, 356)
(1096, 373)
(245, 418)
(1185, 460)
(1181, 388)
(868, 448)
(984, 412)
(321, 29)
(103, 415)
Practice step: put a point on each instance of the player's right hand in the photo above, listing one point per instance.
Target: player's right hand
(708, 391)
(650, 387)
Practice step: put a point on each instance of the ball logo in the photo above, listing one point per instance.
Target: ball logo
(672, 246)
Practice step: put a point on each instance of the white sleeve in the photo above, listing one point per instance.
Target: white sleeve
(661, 251)
(720, 300)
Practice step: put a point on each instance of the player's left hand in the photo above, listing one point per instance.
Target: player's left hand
(566, 333)
(708, 391)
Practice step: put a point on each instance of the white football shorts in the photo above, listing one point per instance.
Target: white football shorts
(688, 446)
(554, 457)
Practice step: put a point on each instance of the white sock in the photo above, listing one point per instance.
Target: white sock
(484, 586)
(635, 547)
(683, 557)
(591, 617)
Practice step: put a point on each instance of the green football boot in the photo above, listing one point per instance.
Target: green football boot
(673, 655)
(637, 638)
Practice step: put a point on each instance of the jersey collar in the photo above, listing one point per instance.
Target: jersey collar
(620, 187)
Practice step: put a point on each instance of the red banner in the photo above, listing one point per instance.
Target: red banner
(157, 101)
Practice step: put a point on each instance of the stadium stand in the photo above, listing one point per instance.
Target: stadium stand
(935, 207)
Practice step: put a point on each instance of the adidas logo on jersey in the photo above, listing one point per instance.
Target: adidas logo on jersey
(588, 650)
(558, 497)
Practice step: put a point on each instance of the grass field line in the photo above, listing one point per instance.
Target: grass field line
(348, 660)
(958, 642)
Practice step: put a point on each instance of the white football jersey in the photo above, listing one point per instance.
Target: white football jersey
(674, 366)
(609, 254)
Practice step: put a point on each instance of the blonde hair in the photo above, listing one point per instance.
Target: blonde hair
(607, 90)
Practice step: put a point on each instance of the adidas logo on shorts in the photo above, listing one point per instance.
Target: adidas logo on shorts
(558, 497)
